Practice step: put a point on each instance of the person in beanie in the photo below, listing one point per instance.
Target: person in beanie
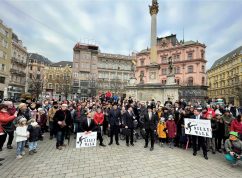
(161, 131)
(98, 120)
(62, 122)
(150, 128)
(23, 111)
(171, 130)
(34, 135)
(21, 137)
(50, 117)
(9, 127)
(79, 115)
(233, 147)
(41, 119)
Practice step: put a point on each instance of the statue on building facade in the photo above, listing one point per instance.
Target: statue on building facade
(170, 63)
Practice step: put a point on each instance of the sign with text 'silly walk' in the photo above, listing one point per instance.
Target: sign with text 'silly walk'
(86, 139)
(198, 127)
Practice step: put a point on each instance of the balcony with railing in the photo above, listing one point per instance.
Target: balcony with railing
(17, 72)
(19, 62)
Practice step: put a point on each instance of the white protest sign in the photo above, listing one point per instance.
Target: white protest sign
(198, 127)
(86, 139)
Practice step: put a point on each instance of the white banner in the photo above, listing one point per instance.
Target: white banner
(198, 127)
(86, 139)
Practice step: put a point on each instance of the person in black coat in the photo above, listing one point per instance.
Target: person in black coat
(201, 140)
(114, 122)
(219, 133)
(88, 124)
(129, 125)
(150, 127)
(62, 122)
(34, 135)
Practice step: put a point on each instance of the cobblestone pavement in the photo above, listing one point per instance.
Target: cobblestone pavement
(114, 161)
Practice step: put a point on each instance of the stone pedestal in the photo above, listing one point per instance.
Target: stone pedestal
(170, 80)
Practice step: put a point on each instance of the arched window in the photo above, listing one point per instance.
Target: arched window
(190, 81)
(190, 69)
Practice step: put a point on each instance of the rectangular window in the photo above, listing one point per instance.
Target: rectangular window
(141, 62)
(163, 71)
(164, 59)
(38, 68)
(50, 77)
(2, 67)
(2, 80)
(189, 56)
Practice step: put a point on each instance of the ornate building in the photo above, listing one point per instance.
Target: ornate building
(225, 78)
(17, 83)
(189, 64)
(95, 72)
(36, 66)
(58, 80)
(5, 58)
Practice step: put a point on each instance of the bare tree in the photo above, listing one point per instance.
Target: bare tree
(64, 83)
(36, 86)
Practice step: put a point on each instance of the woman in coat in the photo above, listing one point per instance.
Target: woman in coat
(5, 117)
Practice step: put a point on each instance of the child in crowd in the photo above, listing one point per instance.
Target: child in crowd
(171, 130)
(34, 135)
(21, 136)
(161, 131)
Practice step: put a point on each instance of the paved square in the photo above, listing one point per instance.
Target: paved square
(114, 161)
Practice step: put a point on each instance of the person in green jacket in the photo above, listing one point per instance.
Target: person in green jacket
(233, 147)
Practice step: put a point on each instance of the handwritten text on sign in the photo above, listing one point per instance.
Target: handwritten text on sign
(198, 127)
(86, 140)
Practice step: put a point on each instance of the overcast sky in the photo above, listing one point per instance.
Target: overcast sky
(52, 27)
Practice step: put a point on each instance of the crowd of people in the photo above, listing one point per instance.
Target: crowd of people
(153, 121)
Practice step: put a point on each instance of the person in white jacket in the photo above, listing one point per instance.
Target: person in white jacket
(21, 136)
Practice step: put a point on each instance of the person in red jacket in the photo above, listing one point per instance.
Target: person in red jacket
(236, 126)
(171, 130)
(98, 120)
(5, 117)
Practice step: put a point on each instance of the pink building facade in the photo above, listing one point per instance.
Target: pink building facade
(189, 65)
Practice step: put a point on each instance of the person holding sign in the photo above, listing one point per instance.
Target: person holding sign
(88, 124)
(98, 120)
(233, 147)
(201, 140)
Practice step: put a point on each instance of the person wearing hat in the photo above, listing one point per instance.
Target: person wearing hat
(129, 125)
(50, 117)
(41, 119)
(150, 121)
(114, 121)
(23, 111)
(9, 127)
(21, 137)
(233, 147)
(171, 130)
(201, 140)
(62, 121)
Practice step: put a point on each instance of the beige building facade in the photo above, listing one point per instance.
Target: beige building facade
(58, 81)
(225, 78)
(35, 78)
(5, 58)
(18, 71)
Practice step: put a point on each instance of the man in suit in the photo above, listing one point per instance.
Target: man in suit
(150, 122)
(88, 124)
(114, 123)
(201, 140)
(129, 125)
